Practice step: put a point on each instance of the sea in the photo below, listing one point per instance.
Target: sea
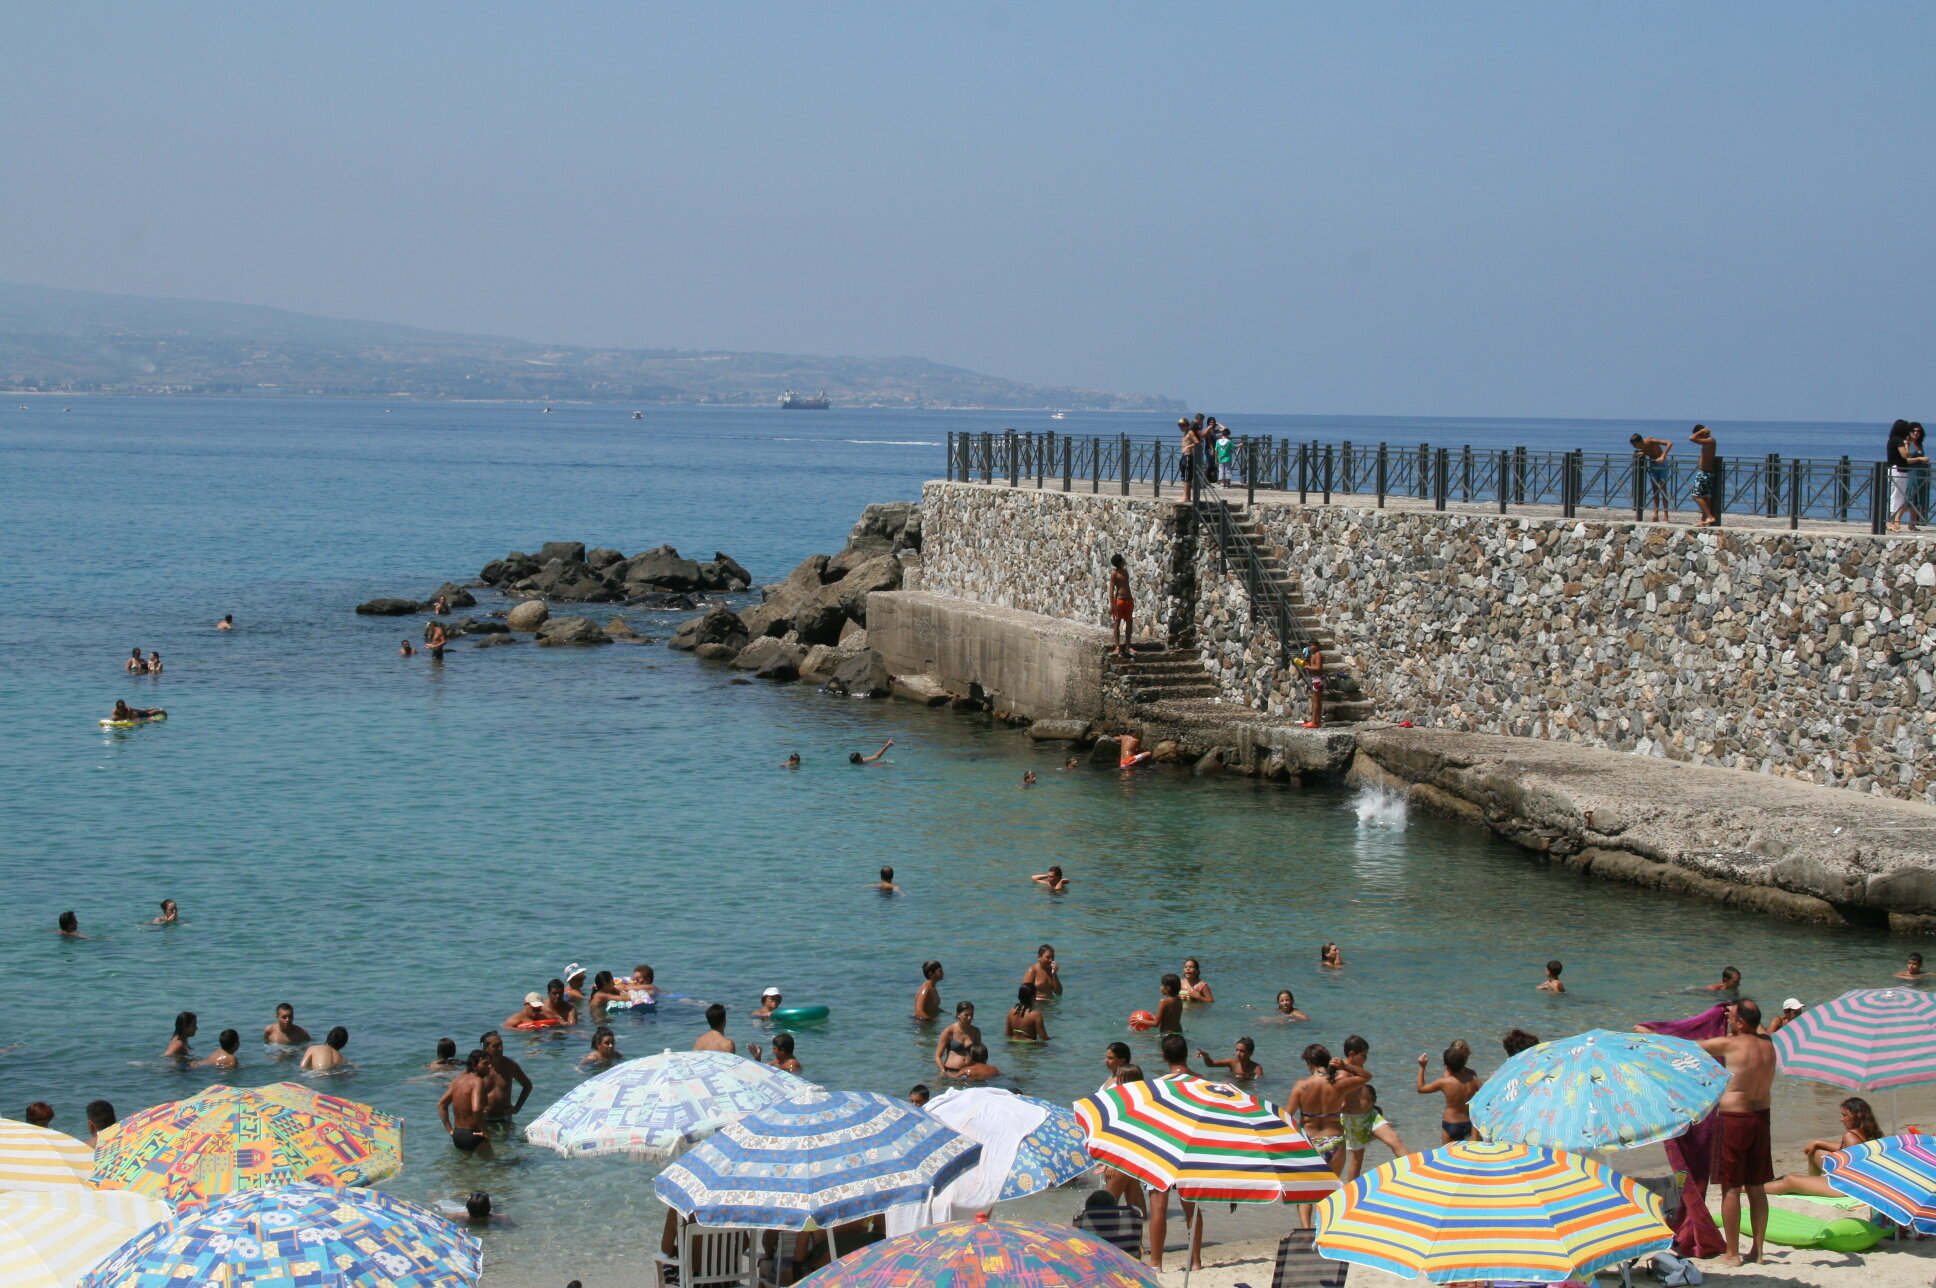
(406, 848)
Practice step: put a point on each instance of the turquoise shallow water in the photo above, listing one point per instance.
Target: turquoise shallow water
(406, 850)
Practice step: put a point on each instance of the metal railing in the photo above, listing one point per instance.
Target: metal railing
(1794, 488)
(1235, 549)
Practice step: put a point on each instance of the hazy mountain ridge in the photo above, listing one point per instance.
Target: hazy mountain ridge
(83, 341)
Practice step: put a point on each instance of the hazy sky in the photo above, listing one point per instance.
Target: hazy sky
(1685, 210)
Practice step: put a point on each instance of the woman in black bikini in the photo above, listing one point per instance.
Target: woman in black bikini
(1024, 1021)
(951, 1052)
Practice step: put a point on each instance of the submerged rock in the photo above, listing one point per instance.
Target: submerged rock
(572, 630)
(389, 607)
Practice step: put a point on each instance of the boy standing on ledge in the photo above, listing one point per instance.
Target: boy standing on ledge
(1706, 477)
(1122, 606)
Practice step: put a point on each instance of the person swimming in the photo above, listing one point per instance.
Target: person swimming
(1131, 753)
(791, 762)
(134, 665)
(1914, 970)
(1028, 778)
(769, 1002)
(919, 1095)
(227, 1044)
(154, 663)
(855, 758)
(227, 623)
(783, 1058)
(1287, 1006)
(1332, 956)
(327, 1054)
(641, 985)
(952, 1047)
(177, 1048)
(1023, 1020)
(927, 998)
(605, 991)
(284, 1031)
(604, 1050)
(1730, 982)
(122, 711)
(1195, 989)
(406, 649)
(1240, 1066)
(446, 1060)
(68, 926)
(886, 884)
(170, 914)
(1053, 879)
(977, 1069)
(1552, 984)
(1169, 1005)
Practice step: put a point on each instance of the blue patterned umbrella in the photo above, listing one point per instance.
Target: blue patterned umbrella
(652, 1108)
(1053, 1154)
(829, 1157)
(1600, 1090)
(290, 1236)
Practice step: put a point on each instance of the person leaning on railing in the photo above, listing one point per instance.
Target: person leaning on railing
(1905, 453)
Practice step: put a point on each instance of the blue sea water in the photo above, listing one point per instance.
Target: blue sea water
(405, 849)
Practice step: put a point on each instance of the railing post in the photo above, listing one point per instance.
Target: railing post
(1068, 461)
(1284, 465)
(1345, 464)
(987, 456)
(951, 456)
(1327, 472)
(1879, 498)
(1844, 485)
(1465, 472)
(1125, 447)
(1640, 484)
(1041, 447)
(1012, 448)
(1771, 486)
(1381, 476)
(1569, 487)
(1424, 479)
(1250, 472)
(1303, 473)
(1441, 478)
(1095, 466)
(1156, 469)
(1794, 495)
(1505, 478)
(1720, 485)
(1519, 476)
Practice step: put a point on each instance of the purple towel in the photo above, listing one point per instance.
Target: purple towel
(1692, 1151)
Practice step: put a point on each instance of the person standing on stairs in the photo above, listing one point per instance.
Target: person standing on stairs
(1122, 606)
(1313, 665)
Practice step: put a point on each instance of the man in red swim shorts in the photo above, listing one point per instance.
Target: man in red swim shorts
(1743, 1158)
(1121, 607)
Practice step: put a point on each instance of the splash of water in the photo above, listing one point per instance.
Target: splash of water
(1379, 806)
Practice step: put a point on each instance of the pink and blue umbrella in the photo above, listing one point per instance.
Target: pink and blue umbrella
(1867, 1039)
(828, 1158)
(1600, 1090)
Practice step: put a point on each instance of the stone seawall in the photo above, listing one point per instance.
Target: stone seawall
(1803, 655)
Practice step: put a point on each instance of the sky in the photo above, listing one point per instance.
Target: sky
(1719, 210)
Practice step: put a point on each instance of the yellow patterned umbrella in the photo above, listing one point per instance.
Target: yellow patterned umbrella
(35, 1158)
(50, 1238)
(243, 1138)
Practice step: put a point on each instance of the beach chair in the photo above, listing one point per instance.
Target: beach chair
(711, 1259)
(1301, 1265)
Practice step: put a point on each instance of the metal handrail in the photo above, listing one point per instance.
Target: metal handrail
(1234, 545)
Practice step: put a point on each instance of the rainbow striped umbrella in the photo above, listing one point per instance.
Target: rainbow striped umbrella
(1491, 1210)
(988, 1254)
(1895, 1175)
(39, 1158)
(1866, 1040)
(50, 1238)
(1207, 1140)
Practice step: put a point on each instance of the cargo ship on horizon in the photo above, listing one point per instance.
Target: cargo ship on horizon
(791, 401)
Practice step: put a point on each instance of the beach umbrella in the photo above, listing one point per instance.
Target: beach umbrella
(828, 1157)
(987, 1254)
(240, 1138)
(1491, 1210)
(654, 1107)
(1038, 1143)
(1600, 1090)
(1867, 1039)
(39, 1158)
(50, 1238)
(1206, 1140)
(295, 1236)
(1895, 1175)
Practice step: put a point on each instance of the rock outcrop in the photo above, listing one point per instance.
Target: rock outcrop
(389, 608)
(528, 616)
(565, 572)
(572, 630)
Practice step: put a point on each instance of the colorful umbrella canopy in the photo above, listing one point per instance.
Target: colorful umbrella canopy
(292, 1236)
(654, 1107)
(1600, 1090)
(50, 1238)
(37, 1158)
(240, 1138)
(1207, 1140)
(1895, 1175)
(1866, 1040)
(1491, 1210)
(1051, 1155)
(1039, 1147)
(987, 1254)
(828, 1157)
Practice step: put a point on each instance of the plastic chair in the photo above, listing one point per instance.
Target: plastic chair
(1301, 1265)
(712, 1259)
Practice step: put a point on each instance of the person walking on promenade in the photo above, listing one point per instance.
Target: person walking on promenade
(1905, 454)
(1192, 433)
(1653, 459)
(1707, 477)
(1744, 1159)
(1122, 607)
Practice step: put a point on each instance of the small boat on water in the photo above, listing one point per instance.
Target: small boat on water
(790, 401)
(638, 415)
(1060, 415)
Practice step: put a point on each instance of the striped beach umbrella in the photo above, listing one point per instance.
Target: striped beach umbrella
(1206, 1140)
(39, 1158)
(1895, 1175)
(654, 1107)
(1867, 1039)
(988, 1254)
(50, 1238)
(1600, 1090)
(238, 1138)
(828, 1158)
(1491, 1210)
(296, 1236)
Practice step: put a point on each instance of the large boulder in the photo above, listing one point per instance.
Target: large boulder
(716, 652)
(774, 614)
(453, 594)
(771, 659)
(821, 661)
(886, 527)
(476, 626)
(717, 626)
(567, 551)
(602, 558)
(819, 618)
(882, 572)
(714, 575)
(731, 567)
(572, 630)
(515, 566)
(528, 616)
(389, 607)
(806, 577)
(663, 568)
(620, 629)
(862, 675)
(571, 582)
(492, 641)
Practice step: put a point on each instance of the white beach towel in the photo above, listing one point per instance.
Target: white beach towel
(996, 1118)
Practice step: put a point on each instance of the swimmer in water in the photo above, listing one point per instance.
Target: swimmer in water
(886, 884)
(574, 983)
(1072, 763)
(604, 1052)
(327, 1054)
(446, 1060)
(1053, 879)
(1551, 984)
(1028, 778)
(170, 914)
(769, 1003)
(557, 1005)
(531, 1015)
(605, 991)
(464, 1107)
(226, 1046)
(227, 623)
(100, 1117)
(715, 1039)
(1169, 1006)
(40, 1114)
(956, 1041)
(641, 985)
(783, 1054)
(503, 1072)
(919, 1095)
(855, 758)
(1730, 982)
(1131, 753)
(977, 1069)
(122, 711)
(1914, 970)
(1515, 1041)
(68, 926)
(1045, 973)
(1287, 1006)
(1023, 1020)
(134, 665)
(1241, 1066)
(791, 762)
(154, 663)
(1115, 1057)
(177, 1048)
(927, 998)
(436, 638)
(285, 1031)
(1332, 956)
(1195, 988)
(405, 649)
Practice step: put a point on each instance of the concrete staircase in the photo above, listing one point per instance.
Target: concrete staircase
(1157, 674)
